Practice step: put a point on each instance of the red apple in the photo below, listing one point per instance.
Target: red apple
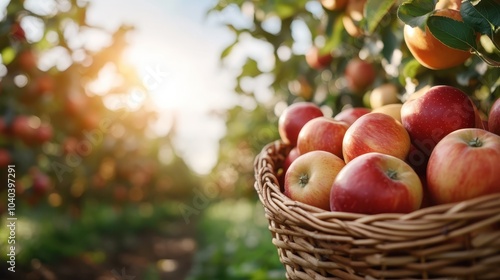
(292, 155)
(294, 117)
(317, 60)
(375, 132)
(323, 133)
(464, 165)
(5, 158)
(433, 115)
(359, 74)
(41, 183)
(44, 133)
(309, 178)
(376, 183)
(494, 118)
(351, 114)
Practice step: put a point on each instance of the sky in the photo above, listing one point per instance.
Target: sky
(176, 50)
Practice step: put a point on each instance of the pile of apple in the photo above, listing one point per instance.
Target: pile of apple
(436, 149)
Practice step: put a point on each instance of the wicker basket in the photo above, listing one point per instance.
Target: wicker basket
(452, 241)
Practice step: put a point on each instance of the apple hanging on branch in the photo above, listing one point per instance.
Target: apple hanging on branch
(444, 38)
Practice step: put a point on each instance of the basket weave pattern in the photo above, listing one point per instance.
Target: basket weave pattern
(452, 241)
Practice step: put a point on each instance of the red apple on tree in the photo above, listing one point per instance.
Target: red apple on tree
(294, 117)
(494, 118)
(375, 132)
(5, 158)
(433, 115)
(322, 133)
(309, 178)
(351, 114)
(376, 183)
(464, 165)
(318, 60)
(359, 74)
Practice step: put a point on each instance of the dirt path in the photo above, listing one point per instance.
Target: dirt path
(152, 256)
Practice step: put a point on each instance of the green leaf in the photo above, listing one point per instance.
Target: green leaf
(250, 68)
(472, 16)
(416, 12)
(453, 33)
(375, 10)
(334, 38)
(228, 49)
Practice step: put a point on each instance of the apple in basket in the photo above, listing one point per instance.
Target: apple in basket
(323, 133)
(294, 117)
(439, 111)
(310, 176)
(375, 183)
(349, 115)
(375, 132)
(493, 123)
(464, 165)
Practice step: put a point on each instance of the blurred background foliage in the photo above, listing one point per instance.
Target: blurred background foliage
(93, 180)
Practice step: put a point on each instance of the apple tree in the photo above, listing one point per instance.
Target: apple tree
(74, 115)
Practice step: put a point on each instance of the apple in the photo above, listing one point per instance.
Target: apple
(17, 32)
(464, 165)
(41, 182)
(352, 17)
(383, 95)
(292, 155)
(433, 115)
(448, 4)
(359, 74)
(322, 133)
(318, 60)
(310, 177)
(351, 114)
(5, 158)
(376, 183)
(393, 110)
(23, 128)
(334, 5)
(494, 118)
(44, 133)
(294, 117)
(375, 132)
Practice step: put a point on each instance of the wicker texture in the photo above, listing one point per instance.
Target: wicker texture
(452, 241)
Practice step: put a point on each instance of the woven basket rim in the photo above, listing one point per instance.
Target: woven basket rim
(456, 209)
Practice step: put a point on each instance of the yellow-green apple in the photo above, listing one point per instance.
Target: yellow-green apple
(359, 74)
(393, 110)
(349, 115)
(294, 117)
(376, 183)
(334, 5)
(436, 113)
(464, 165)
(494, 118)
(310, 177)
(316, 59)
(323, 133)
(384, 94)
(375, 132)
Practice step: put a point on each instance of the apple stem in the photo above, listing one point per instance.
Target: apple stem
(303, 180)
(476, 142)
(393, 174)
